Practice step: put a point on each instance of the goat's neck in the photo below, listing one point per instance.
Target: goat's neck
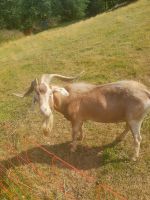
(60, 102)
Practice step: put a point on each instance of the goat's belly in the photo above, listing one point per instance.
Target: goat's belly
(108, 119)
(107, 116)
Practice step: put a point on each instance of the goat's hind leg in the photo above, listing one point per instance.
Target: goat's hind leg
(122, 135)
(76, 127)
(81, 135)
(135, 126)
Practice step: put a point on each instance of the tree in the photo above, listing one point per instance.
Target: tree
(9, 14)
(41, 14)
(95, 7)
(34, 11)
(73, 9)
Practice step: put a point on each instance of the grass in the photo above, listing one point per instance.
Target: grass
(9, 35)
(109, 47)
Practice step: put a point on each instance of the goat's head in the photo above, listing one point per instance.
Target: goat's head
(44, 96)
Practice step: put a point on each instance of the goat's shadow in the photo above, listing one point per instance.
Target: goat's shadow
(84, 158)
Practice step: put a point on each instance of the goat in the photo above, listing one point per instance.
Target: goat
(122, 101)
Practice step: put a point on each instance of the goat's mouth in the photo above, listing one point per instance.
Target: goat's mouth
(46, 114)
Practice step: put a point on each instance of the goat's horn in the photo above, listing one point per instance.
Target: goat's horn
(30, 89)
(48, 77)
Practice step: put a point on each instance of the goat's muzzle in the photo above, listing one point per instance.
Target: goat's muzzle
(45, 111)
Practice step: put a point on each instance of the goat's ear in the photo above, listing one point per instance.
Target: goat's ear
(63, 91)
(34, 84)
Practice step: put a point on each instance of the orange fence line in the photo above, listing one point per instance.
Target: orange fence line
(27, 160)
(68, 165)
(67, 194)
(40, 174)
(5, 189)
(105, 187)
(12, 180)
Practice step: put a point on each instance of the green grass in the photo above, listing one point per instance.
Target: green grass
(109, 47)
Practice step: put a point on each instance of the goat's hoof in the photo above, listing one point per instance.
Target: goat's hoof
(80, 138)
(46, 132)
(134, 159)
(73, 148)
(99, 154)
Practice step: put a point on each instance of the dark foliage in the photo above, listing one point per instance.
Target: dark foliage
(29, 15)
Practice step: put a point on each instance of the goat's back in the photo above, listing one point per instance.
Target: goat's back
(79, 88)
(110, 102)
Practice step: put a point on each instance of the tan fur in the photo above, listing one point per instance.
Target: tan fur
(126, 101)
(105, 103)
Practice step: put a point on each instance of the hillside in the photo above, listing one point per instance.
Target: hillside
(9, 35)
(111, 46)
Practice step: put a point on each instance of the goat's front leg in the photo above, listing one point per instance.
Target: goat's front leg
(75, 130)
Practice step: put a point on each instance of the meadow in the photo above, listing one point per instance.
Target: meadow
(109, 47)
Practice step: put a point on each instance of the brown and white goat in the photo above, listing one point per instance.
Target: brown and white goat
(122, 101)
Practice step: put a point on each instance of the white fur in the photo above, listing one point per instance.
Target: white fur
(45, 98)
(63, 91)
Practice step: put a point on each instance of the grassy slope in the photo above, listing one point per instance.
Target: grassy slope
(108, 47)
(9, 35)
